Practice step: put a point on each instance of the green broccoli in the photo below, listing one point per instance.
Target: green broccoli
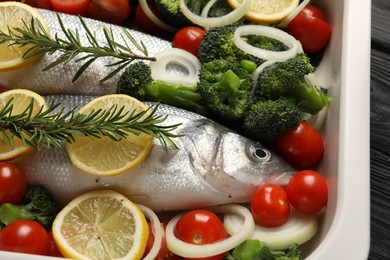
(266, 120)
(137, 81)
(38, 204)
(225, 89)
(288, 79)
(170, 11)
(218, 43)
(252, 249)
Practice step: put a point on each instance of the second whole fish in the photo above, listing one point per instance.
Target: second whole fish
(212, 165)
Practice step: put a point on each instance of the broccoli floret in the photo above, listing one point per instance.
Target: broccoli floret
(266, 120)
(288, 79)
(253, 249)
(38, 204)
(170, 11)
(218, 43)
(225, 89)
(137, 82)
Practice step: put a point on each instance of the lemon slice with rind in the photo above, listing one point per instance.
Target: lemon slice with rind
(101, 224)
(105, 156)
(12, 15)
(21, 99)
(267, 11)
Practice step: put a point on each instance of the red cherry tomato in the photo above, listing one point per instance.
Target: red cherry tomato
(25, 236)
(53, 249)
(71, 6)
(188, 38)
(164, 252)
(311, 29)
(110, 11)
(307, 191)
(201, 227)
(13, 183)
(45, 4)
(146, 25)
(270, 206)
(302, 146)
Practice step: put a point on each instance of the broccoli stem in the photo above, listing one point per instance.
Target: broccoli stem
(10, 213)
(179, 95)
(311, 99)
(230, 82)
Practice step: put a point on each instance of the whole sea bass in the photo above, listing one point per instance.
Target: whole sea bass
(212, 165)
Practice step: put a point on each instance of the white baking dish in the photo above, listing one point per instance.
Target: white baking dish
(345, 70)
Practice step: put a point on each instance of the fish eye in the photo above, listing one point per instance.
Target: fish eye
(258, 152)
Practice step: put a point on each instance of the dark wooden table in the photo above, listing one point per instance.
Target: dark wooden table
(380, 130)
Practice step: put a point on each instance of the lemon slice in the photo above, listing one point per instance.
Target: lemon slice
(21, 100)
(101, 224)
(267, 11)
(105, 156)
(12, 15)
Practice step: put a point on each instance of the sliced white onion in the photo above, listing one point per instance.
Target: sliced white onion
(184, 249)
(256, 73)
(298, 229)
(188, 63)
(284, 23)
(145, 7)
(157, 231)
(271, 32)
(207, 7)
(208, 22)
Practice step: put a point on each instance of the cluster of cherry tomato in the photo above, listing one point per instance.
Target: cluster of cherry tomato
(307, 192)
(25, 236)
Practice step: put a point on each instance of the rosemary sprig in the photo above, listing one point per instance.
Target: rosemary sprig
(51, 128)
(35, 35)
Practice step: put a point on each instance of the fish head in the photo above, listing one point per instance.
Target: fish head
(241, 165)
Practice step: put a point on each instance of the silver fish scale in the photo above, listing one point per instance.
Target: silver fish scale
(58, 80)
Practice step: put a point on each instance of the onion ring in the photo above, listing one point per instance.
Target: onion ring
(145, 7)
(175, 56)
(184, 249)
(290, 41)
(285, 22)
(208, 22)
(157, 230)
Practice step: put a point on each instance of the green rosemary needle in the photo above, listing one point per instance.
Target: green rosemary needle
(34, 34)
(49, 128)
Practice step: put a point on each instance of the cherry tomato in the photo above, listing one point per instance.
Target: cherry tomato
(110, 11)
(307, 191)
(53, 249)
(188, 38)
(201, 227)
(13, 183)
(144, 23)
(71, 6)
(45, 4)
(25, 236)
(270, 206)
(311, 29)
(164, 252)
(302, 146)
